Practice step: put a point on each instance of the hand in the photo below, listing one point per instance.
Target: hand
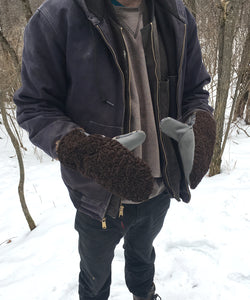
(196, 143)
(205, 136)
(183, 134)
(108, 162)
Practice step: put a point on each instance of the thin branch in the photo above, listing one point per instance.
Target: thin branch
(16, 132)
(242, 129)
(15, 144)
(7, 241)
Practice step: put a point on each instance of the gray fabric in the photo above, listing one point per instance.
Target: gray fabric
(184, 135)
(142, 115)
(130, 19)
(131, 140)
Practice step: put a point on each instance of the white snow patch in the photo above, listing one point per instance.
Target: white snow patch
(202, 251)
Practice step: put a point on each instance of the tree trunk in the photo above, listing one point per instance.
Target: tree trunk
(7, 48)
(10, 54)
(191, 4)
(241, 88)
(27, 9)
(243, 78)
(247, 118)
(229, 11)
(15, 144)
(239, 110)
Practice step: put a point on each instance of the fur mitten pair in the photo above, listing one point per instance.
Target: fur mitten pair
(196, 139)
(108, 162)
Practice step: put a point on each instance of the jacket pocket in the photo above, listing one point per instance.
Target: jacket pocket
(75, 197)
(93, 127)
(167, 97)
(172, 96)
(89, 197)
(164, 98)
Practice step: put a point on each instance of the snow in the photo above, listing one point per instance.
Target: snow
(203, 250)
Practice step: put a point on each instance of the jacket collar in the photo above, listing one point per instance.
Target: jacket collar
(175, 7)
(97, 9)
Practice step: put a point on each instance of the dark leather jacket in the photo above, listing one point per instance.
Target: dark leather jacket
(75, 74)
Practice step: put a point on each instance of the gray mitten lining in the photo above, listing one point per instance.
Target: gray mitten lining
(131, 140)
(184, 135)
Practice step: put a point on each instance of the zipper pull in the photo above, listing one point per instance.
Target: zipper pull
(121, 211)
(104, 224)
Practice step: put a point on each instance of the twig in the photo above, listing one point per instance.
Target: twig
(242, 129)
(16, 146)
(8, 240)
(17, 134)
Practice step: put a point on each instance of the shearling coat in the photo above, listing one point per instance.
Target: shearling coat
(75, 74)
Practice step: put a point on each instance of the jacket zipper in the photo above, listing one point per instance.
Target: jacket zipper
(157, 101)
(178, 84)
(104, 223)
(179, 71)
(119, 68)
(121, 214)
(129, 79)
(121, 211)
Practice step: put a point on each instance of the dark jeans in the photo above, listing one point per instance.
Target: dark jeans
(139, 226)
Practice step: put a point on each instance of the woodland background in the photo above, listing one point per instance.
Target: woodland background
(224, 33)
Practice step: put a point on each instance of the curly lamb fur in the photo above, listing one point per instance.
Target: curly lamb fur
(107, 162)
(205, 134)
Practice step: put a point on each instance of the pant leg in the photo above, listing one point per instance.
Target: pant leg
(96, 249)
(138, 244)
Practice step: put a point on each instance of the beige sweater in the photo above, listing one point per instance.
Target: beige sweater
(142, 114)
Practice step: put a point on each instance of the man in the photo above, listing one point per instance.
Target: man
(99, 78)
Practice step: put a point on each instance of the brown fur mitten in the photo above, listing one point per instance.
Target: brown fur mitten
(205, 134)
(107, 162)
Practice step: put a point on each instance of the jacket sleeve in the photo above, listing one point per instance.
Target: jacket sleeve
(195, 97)
(41, 99)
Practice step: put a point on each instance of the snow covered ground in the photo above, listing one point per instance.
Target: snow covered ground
(203, 250)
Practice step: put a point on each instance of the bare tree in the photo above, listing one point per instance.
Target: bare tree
(229, 11)
(242, 86)
(16, 145)
(247, 119)
(27, 9)
(242, 104)
(10, 68)
(208, 28)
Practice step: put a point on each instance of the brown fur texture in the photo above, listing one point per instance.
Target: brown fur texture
(107, 162)
(205, 134)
